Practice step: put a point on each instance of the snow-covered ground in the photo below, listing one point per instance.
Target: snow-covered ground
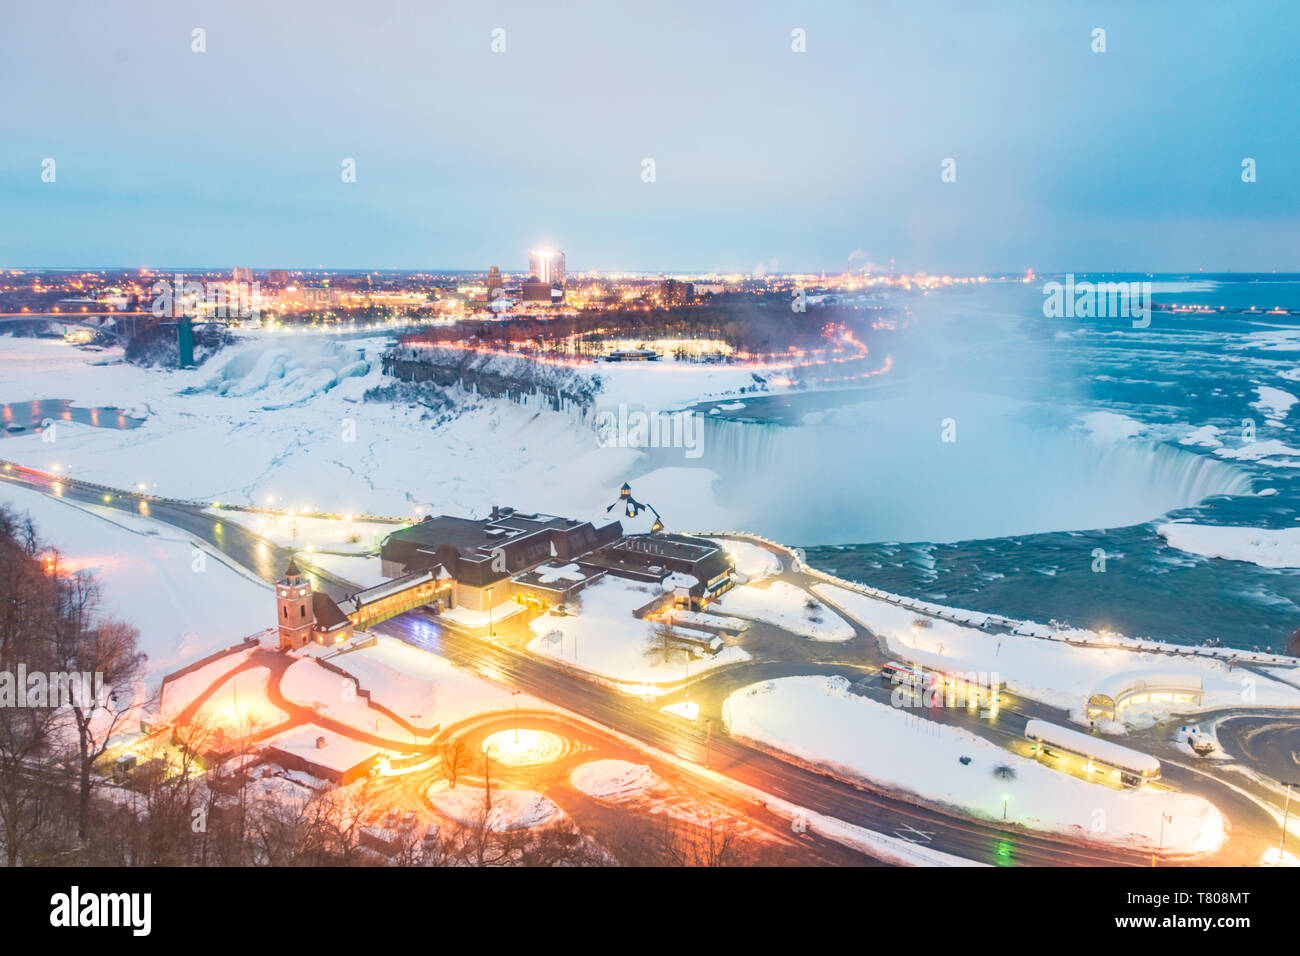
(752, 561)
(820, 721)
(510, 809)
(612, 780)
(332, 695)
(606, 639)
(1054, 672)
(348, 536)
(785, 606)
(1268, 549)
(522, 747)
(364, 571)
(184, 601)
(240, 704)
(399, 676)
(179, 693)
(258, 417)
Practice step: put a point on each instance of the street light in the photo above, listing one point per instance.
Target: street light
(1160, 847)
(1005, 800)
(1286, 811)
(489, 597)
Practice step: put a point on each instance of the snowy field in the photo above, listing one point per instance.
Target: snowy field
(401, 676)
(606, 639)
(334, 696)
(1054, 672)
(179, 693)
(785, 606)
(510, 809)
(240, 702)
(148, 578)
(819, 721)
(253, 421)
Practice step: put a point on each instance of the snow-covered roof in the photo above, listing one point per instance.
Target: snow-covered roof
(1118, 685)
(389, 588)
(1104, 750)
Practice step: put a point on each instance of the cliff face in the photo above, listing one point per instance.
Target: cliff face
(156, 345)
(495, 376)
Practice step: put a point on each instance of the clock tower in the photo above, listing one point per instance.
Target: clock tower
(294, 612)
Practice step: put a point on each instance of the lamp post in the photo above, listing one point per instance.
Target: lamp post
(1286, 812)
(1160, 847)
(489, 597)
(1005, 799)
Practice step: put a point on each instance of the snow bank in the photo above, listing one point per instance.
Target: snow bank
(784, 605)
(1055, 672)
(752, 561)
(818, 720)
(613, 780)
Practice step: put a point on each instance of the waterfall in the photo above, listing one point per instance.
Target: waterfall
(887, 478)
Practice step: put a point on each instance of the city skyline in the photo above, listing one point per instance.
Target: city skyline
(1066, 159)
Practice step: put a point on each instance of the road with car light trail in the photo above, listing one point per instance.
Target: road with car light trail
(883, 812)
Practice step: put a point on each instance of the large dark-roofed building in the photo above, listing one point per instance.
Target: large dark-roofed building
(652, 557)
(481, 555)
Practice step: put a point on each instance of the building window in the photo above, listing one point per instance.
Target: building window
(302, 611)
(286, 612)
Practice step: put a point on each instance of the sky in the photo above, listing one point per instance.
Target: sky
(1066, 159)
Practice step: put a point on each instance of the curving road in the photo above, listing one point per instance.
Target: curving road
(815, 791)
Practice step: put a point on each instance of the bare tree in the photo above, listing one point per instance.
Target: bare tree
(454, 759)
(662, 638)
(713, 843)
(85, 643)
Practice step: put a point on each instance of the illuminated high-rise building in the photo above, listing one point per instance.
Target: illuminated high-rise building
(548, 266)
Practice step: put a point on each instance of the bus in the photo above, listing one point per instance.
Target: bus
(918, 677)
(1131, 767)
(971, 688)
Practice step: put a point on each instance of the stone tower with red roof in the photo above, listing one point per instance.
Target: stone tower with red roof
(293, 605)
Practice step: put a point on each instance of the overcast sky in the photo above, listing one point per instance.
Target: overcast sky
(1066, 159)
